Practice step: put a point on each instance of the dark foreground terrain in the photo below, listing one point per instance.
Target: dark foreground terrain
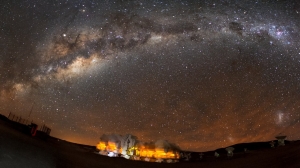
(18, 149)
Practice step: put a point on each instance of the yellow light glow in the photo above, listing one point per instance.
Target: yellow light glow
(109, 146)
(139, 151)
(101, 146)
(158, 153)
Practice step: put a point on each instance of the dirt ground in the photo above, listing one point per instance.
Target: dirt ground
(17, 149)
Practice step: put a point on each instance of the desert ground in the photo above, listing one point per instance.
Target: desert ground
(18, 149)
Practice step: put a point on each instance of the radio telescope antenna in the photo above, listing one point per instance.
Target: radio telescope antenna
(31, 110)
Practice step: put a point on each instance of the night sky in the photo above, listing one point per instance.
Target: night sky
(201, 74)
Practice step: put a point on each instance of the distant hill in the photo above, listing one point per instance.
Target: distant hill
(2, 117)
(21, 150)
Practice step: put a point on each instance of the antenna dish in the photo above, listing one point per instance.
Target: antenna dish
(280, 137)
(217, 154)
(272, 143)
(280, 140)
(229, 151)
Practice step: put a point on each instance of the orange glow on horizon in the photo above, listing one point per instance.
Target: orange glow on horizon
(109, 146)
(159, 154)
(139, 151)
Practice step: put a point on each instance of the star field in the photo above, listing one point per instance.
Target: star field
(201, 74)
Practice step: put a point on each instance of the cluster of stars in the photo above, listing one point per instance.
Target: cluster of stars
(201, 74)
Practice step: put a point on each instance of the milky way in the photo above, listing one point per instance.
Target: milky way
(202, 74)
